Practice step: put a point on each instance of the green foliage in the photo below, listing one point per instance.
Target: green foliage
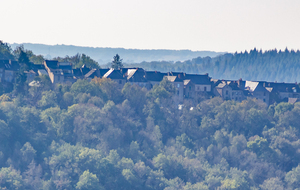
(95, 135)
(5, 51)
(88, 181)
(79, 60)
(272, 65)
(117, 62)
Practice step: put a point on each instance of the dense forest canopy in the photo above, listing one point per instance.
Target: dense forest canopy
(97, 135)
(273, 65)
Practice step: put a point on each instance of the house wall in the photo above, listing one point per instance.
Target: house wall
(237, 95)
(203, 87)
(189, 91)
(178, 96)
(9, 76)
(263, 96)
(283, 95)
(226, 93)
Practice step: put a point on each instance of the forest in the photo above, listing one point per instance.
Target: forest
(96, 135)
(271, 65)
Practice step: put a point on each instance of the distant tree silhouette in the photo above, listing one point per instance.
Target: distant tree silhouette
(117, 62)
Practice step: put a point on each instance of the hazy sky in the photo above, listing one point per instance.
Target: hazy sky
(217, 25)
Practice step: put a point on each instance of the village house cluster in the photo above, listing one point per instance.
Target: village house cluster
(189, 87)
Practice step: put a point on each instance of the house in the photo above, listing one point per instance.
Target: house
(8, 70)
(59, 72)
(137, 76)
(202, 82)
(223, 90)
(154, 77)
(115, 75)
(284, 90)
(257, 90)
(228, 90)
(189, 89)
(178, 84)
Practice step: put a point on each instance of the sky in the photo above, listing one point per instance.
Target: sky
(214, 25)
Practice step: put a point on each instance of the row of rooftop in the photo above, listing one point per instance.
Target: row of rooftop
(189, 87)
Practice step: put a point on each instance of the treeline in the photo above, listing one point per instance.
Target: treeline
(273, 65)
(24, 56)
(94, 135)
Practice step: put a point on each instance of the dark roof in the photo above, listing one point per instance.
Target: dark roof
(84, 69)
(52, 64)
(283, 87)
(102, 72)
(113, 74)
(77, 72)
(9, 65)
(36, 67)
(136, 75)
(198, 79)
(92, 73)
(233, 85)
(65, 67)
(154, 76)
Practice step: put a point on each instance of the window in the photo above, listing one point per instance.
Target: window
(178, 85)
(264, 100)
(226, 92)
(190, 88)
(177, 92)
(204, 88)
(264, 94)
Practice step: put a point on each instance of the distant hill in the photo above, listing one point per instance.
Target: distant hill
(272, 65)
(105, 55)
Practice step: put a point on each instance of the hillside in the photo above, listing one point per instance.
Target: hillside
(273, 65)
(104, 55)
(94, 135)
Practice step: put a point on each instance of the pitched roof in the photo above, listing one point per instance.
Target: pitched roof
(173, 78)
(92, 73)
(198, 79)
(154, 76)
(284, 87)
(102, 72)
(113, 74)
(52, 64)
(255, 86)
(136, 75)
(9, 65)
(293, 100)
(186, 82)
(233, 85)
